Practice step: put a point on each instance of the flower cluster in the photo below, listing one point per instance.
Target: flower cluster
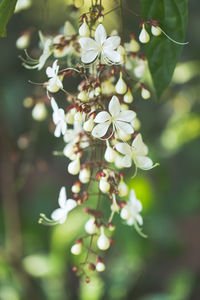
(99, 128)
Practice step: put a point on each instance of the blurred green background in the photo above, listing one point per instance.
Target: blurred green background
(35, 261)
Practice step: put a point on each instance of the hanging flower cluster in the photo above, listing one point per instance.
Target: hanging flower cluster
(99, 127)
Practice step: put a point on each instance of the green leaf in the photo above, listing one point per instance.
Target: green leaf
(163, 54)
(7, 8)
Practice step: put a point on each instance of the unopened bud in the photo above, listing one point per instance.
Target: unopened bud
(103, 242)
(90, 226)
(144, 36)
(84, 30)
(128, 97)
(74, 167)
(104, 186)
(121, 86)
(84, 175)
(76, 187)
(155, 30)
(76, 248)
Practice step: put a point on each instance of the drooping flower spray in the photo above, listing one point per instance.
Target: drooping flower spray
(98, 125)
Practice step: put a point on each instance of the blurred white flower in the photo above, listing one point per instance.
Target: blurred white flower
(58, 119)
(100, 46)
(66, 205)
(137, 152)
(119, 119)
(54, 83)
(130, 212)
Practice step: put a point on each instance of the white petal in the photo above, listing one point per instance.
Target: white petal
(59, 82)
(88, 44)
(123, 148)
(112, 56)
(100, 34)
(139, 219)
(143, 162)
(50, 72)
(139, 147)
(127, 161)
(57, 131)
(112, 42)
(89, 56)
(132, 197)
(59, 214)
(126, 116)
(63, 127)
(62, 197)
(54, 104)
(100, 129)
(70, 204)
(114, 106)
(138, 205)
(102, 117)
(125, 127)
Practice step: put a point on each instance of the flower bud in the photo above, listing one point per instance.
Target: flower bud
(128, 97)
(121, 86)
(74, 167)
(89, 124)
(39, 112)
(76, 248)
(70, 118)
(103, 242)
(52, 85)
(100, 267)
(110, 154)
(97, 91)
(145, 93)
(83, 96)
(84, 30)
(134, 45)
(144, 36)
(78, 117)
(155, 30)
(100, 19)
(23, 41)
(68, 150)
(115, 207)
(84, 175)
(90, 226)
(125, 212)
(123, 189)
(76, 187)
(104, 186)
(111, 226)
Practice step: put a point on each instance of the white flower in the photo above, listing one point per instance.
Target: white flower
(58, 119)
(66, 205)
(100, 46)
(54, 83)
(137, 152)
(119, 119)
(130, 212)
(46, 45)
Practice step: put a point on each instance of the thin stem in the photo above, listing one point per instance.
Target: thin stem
(121, 16)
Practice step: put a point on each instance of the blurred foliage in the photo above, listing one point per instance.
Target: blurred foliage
(35, 261)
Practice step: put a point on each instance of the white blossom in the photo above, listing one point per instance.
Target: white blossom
(66, 205)
(58, 119)
(130, 212)
(101, 46)
(54, 83)
(137, 152)
(119, 119)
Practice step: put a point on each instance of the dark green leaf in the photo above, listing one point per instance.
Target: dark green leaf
(6, 11)
(163, 54)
